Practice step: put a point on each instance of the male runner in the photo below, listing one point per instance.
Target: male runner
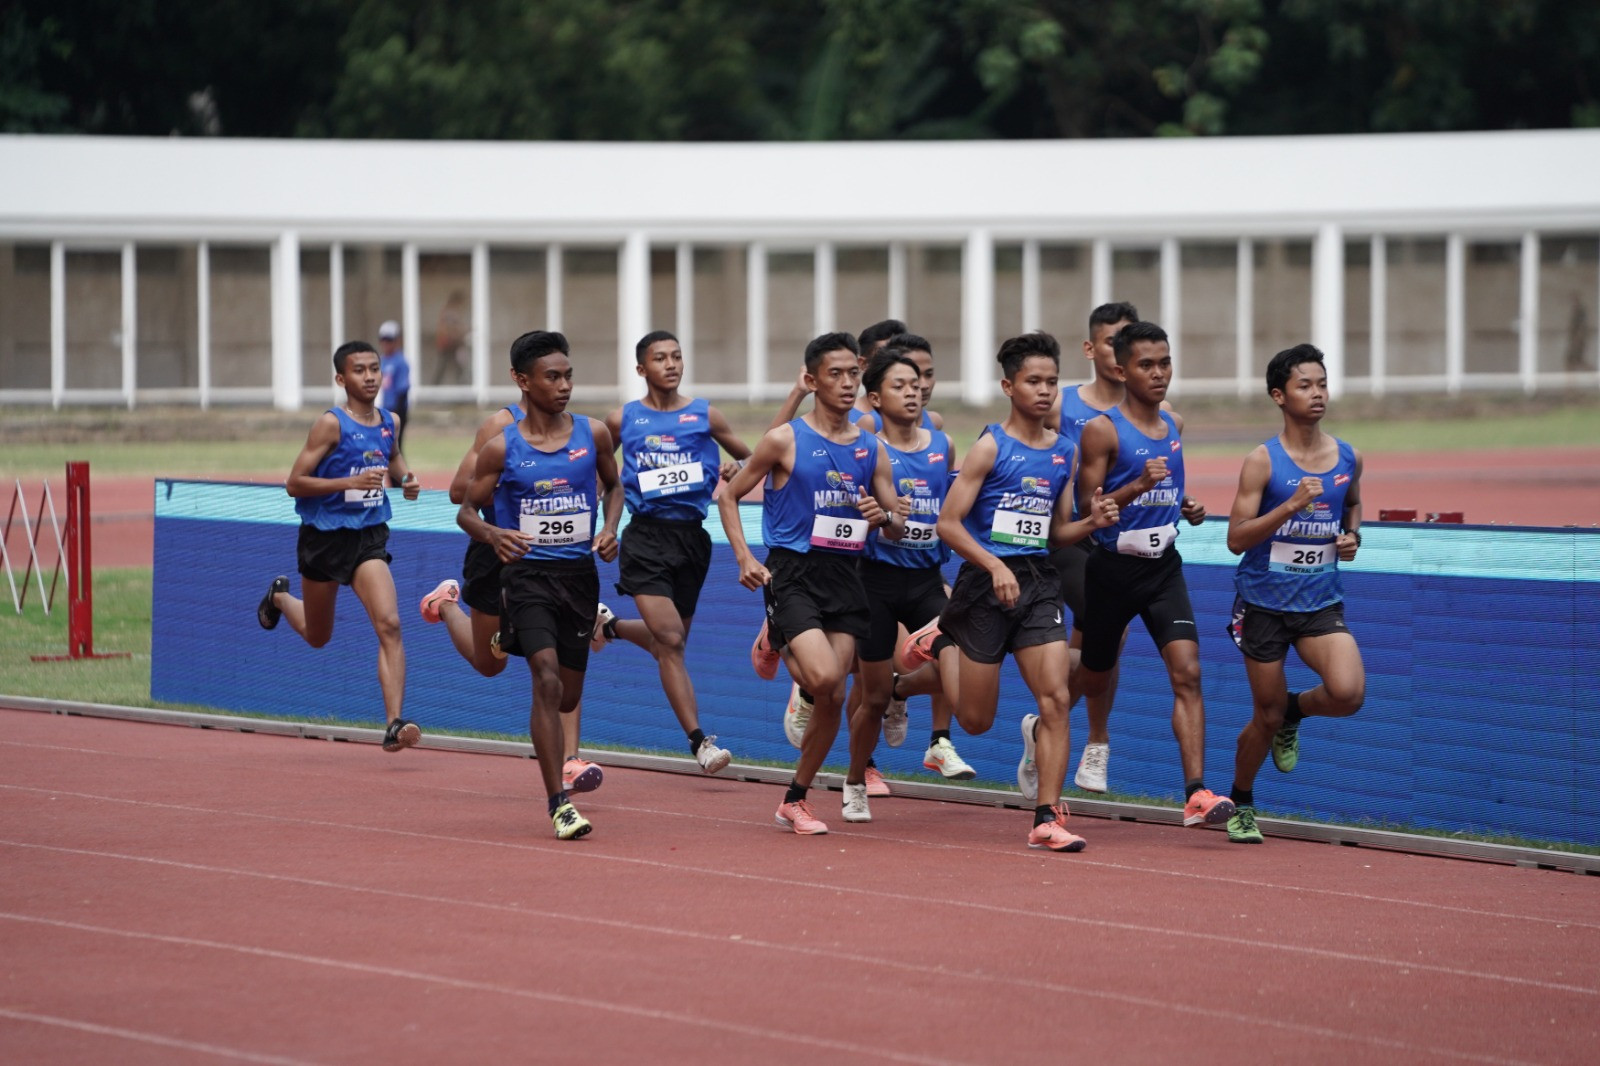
(1296, 516)
(1134, 454)
(541, 476)
(827, 486)
(337, 482)
(669, 472)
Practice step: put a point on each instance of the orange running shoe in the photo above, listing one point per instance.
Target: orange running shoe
(763, 657)
(1054, 835)
(580, 775)
(1208, 807)
(445, 591)
(798, 817)
(918, 648)
(876, 785)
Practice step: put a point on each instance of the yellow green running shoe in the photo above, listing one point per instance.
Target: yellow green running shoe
(1286, 747)
(570, 825)
(1242, 827)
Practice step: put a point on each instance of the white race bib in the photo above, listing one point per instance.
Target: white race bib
(924, 535)
(671, 480)
(1303, 558)
(841, 534)
(364, 497)
(1151, 543)
(554, 530)
(1014, 527)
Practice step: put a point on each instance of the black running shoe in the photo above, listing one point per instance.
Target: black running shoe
(401, 734)
(268, 613)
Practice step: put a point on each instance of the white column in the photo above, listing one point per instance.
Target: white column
(130, 323)
(1172, 308)
(417, 352)
(1032, 306)
(633, 311)
(1455, 313)
(1379, 301)
(286, 339)
(554, 275)
(755, 354)
(1327, 303)
(1100, 273)
(58, 323)
(977, 317)
(480, 323)
(683, 277)
(1528, 318)
(336, 294)
(202, 294)
(897, 280)
(1244, 313)
(824, 290)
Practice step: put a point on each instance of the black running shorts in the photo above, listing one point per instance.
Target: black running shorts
(1120, 588)
(813, 590)
(551, 603)
(334, 554)
(659, 557)
(1266, 636)
(1070, 563)
(480, 578)
(897, 596)
(986, 631)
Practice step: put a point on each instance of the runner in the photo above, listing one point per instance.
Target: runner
(1297, 515)
(337, 482)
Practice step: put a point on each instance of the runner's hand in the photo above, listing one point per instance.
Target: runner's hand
(752, 575)
(1193, 511)
(605, 546)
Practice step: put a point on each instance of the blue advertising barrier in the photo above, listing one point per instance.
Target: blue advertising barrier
(1481, 646)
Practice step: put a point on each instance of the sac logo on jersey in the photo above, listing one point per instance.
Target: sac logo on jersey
(834, 479)
(1038, 485)
(372, 457)
(655, 442)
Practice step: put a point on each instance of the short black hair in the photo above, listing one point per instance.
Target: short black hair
(829, 342)
(535, 345)
(1282, 365)
(1110, 314)
(1131, 334)
(1015, 351)
(342, 353)
(653, 337)
(879, 332)
(909, 342)
(878, 366)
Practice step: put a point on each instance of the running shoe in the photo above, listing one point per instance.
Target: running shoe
(941, 757)
(712, 759)
(1027, 772)
(1242, 828)
(1091, 775)
(1286, 747)
(570, 825)
(446, 590)
(603, 617)
(762, 656)
(918, 648)
(876, 785)
(797, 716)
(580, 775)
(268, 612)
(798, 817)
(401, 734)
(1054, 835)
(1208, 807)
(895, 722)
(855, 803)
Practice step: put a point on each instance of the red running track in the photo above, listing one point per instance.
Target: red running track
(172, 895)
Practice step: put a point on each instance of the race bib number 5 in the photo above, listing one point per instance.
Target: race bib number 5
(671, 480)
(840, 534)
(554, 530)
(1302, 558)
(364, 497)
(1014, 527)
(1151, 542)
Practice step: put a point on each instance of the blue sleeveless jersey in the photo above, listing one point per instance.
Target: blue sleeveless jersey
(816, 510)
(1147, 526)
(1075, 414)
(925, 477)
(359, 448)
(669, 460)
(1297, 568)
(872, 421)
(487, 513)
(551, 496)
(1011, 514)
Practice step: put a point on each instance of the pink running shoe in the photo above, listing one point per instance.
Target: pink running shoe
(763, 657)
(918, 648)
(876, 785)
(1054, 835)
(1208, 807)
(445, 591)
(798, 816)
(580, 775)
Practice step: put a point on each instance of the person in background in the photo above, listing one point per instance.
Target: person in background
(396, 390)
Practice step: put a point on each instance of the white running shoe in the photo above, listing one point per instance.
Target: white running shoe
(797, 716)
(1091, 775)
(942, 758)
(1027, 772)
(855, 803)
(895, 723)
(712, 759)
(602, 616)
